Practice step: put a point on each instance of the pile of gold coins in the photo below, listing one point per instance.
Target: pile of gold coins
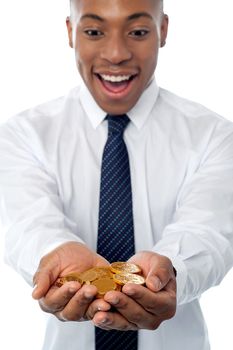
(106, 278)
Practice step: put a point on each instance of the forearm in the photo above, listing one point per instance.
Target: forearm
(31, 212)
(200, 255)
(199, 240)
(26, 243)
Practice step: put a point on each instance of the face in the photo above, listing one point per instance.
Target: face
(116, 45)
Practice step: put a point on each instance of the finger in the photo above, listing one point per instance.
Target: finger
(57, 298)
(96, 306)
(76, 308)
(112, 320)
(159, 303)
(61, 317)
(131, 310)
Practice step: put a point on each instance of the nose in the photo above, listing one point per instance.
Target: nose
(116, 50)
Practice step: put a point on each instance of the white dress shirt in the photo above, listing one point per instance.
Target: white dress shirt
(181, 161)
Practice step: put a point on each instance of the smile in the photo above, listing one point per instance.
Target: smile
(117, 85)
(115, 79)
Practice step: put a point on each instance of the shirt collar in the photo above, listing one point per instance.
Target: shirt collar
(138, 114)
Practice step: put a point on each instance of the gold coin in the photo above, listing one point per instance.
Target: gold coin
(118, 287)
(60, 281)
(73, 276)
(128, 278)
(68, 278)
(104, 285)
(124, 267)
(103, 272)
(88, 275)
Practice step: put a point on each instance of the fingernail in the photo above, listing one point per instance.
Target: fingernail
(129, 292)
(105, 320)
(157, 283)
(34, 290)
(115, 301)
(88, 297)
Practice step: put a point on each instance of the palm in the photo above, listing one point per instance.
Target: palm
(67, 258)
(76, 257)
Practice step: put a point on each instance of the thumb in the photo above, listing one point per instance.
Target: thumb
(44, 277)
(157, 279)
(41, 284)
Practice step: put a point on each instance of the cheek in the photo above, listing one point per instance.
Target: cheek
(83, 62)
(148, 63)
(148, 56)
(84, 56)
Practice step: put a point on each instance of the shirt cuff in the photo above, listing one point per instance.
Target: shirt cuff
(181, 276)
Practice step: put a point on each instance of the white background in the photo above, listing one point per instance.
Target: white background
(37, 65)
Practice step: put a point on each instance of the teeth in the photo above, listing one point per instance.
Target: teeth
(115, 79)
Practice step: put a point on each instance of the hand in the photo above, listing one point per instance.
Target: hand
(71, 301)
(140, 307)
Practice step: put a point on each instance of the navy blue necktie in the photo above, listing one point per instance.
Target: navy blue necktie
(115, 231)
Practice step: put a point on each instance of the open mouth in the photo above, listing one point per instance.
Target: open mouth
(116, 83)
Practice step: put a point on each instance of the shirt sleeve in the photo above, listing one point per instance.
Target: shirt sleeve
(31, 211)
(199, 240)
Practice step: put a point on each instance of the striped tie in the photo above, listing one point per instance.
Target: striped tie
(115, 231)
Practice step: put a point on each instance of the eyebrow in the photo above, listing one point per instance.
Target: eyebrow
(138, 15)
(92, 16)
(129, 18)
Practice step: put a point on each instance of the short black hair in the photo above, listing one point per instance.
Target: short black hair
(73, 0)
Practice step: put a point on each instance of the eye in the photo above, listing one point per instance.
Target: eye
(139, 33)
(93, 33)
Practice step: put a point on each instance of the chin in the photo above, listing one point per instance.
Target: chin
(115, 110)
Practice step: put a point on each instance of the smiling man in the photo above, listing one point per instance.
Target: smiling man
(116, 46)
(119, 169)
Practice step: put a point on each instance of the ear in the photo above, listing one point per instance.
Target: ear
(69, 31)
(163, 30)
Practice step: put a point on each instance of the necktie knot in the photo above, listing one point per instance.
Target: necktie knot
(117, 123)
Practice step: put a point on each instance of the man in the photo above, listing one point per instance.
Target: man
(181, 167)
